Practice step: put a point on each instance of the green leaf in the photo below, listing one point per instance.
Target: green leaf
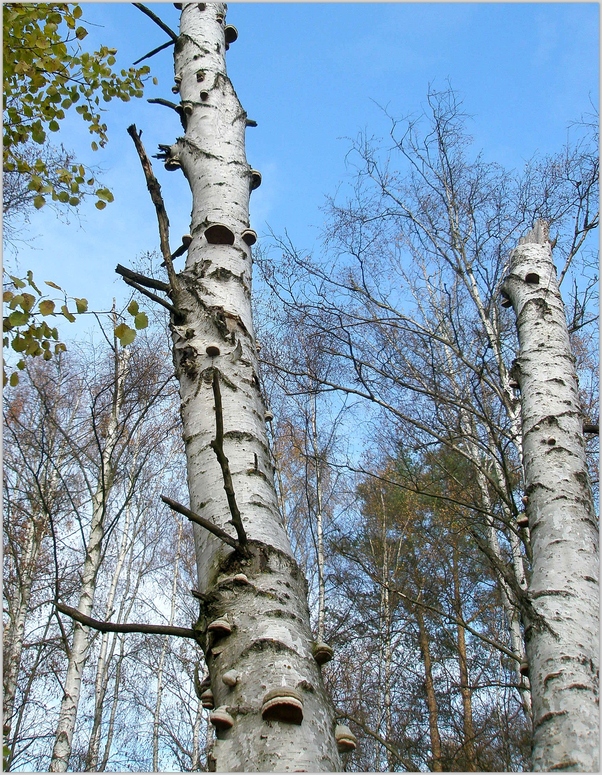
(133, 307)
(17, 318)
(82, 305)
(14, 381)
(39, 202)
(18, 282)
(47, 307)
(31, 282)
(69, 315)
(105, 194)
(53, 285)
(100, 205)
(141, 320)
(19, 344)
(125, 334)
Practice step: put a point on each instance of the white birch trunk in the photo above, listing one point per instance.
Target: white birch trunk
(79, 650)
(106, 653)
(19, 607)
(160, 682)
(562, 631)
(270, 645)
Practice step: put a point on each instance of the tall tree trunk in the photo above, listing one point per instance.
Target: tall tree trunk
(19, 608)
(470, 759)
(431, 698)
(266, 644)
(562, 625)
(107, 647)
(79, 650)
(160, 669)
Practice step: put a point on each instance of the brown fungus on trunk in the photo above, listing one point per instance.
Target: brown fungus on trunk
(218, 234)
(346, 740)
(283, 704)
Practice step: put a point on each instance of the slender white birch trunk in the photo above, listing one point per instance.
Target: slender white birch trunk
(562, 630)
(258, 588)
(79, 650)
(19, 607)
(106, 653)
(160, 682)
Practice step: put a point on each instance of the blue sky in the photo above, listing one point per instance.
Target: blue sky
(313, 75)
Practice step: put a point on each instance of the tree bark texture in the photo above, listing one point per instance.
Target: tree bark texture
(562, 627)
(258, 589)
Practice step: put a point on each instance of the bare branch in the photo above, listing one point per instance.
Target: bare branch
(217, 531)
(155, 192)
(157, 21)
(149, 629)
(155, 51)
(151, 296)
(149, 282)
(218, 447)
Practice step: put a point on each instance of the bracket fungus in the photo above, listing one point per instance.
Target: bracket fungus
(524, 668)
(219, 627)
(207, 699)
(218, 234)
(282, 704)
(230, 34)
(322, 652)
(522, 520)
(268, 416)
(346, 740)
(505, 302)
(249, 236)
(221, 719)
(255, 180)
(172, 164)
(231, 677)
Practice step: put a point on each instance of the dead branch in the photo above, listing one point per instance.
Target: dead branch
(218, 447)
(155, 192)
(151, 296)
(149, 282)
(155, 51)
(217, 531)
(148, 629)
(157, 21)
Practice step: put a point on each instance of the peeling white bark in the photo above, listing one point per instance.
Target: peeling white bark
(562, 632)
(270, 641)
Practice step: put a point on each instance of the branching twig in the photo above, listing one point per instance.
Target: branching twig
(217, 531)
(155, 51)
(157, 21)
(155, 191)
(149, 629)
(218, 447)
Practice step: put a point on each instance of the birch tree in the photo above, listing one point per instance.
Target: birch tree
(271, 710)
(562, 628)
